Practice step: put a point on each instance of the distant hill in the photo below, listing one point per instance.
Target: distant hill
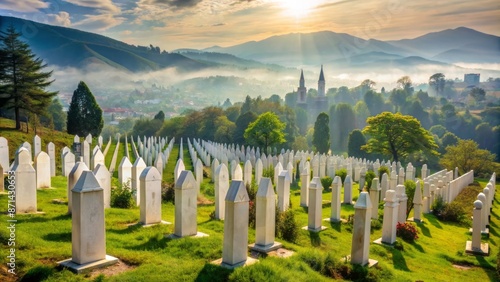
(454, 45)
(71, 47)
(448, 46)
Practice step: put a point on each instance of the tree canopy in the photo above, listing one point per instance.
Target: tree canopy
(321, 136)
(84, 114)
(265, 131)
(22, 79)
(467, 156)
(397, 135)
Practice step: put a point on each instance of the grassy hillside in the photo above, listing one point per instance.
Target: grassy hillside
(18, 137)
(146, 255)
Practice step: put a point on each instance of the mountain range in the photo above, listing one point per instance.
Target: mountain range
(282, 54)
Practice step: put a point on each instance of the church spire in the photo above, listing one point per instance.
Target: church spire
(321, 75)
(302, 82)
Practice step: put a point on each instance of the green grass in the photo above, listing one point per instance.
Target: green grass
(44, 239)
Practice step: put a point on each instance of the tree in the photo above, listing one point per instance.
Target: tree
(242, 123)
(84, 114)
(477, 93)
(342, 121)
(56, 117)
(437, 82)
(160, 116)
(405, 83)
(22, 79)
(398, 98)
(374, 101)
(467, 156)
(449, 139)
(321, 137)
(356, 141)
(397, 135)
(266, 131)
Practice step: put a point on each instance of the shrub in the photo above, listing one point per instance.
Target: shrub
(39, 273)
(438, 206)
(289, 229)
(342, 173)
(453, 212)
(370, 175)
(407, 231)
(168, 192)
(251, 214)
(252, 190)
(122, 197)
(314, 259)
(268, 172)
(383, 169)
(326, 182)
(410, 187)
(207, 189)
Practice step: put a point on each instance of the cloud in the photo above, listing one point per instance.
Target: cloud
(219, 24)
(178, 4)
(98, 22)
(62, 19)
(104, 5)
(28, 6)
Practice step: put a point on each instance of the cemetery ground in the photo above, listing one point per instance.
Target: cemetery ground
(146, 255)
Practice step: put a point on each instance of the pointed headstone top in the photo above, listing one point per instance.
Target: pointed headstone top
(150, 174)
(363, 201)
(237, 192)
(265, 188)
(87, 183)
(185, 181)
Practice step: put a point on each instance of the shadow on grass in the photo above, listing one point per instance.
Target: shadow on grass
(127, 230)
(425, 231)
(399, 260)
(434, 221)
(211, 272)
(493, 213)
(336, 226)
(153, 243)
(58, 237)
(315, 239)
(39, 219)
(418, 247)
(488, 268)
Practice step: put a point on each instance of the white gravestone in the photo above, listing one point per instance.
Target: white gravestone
(221, 187)
(73, 177)
(125, 171)
(186, 193)
(42, 167)
(283, 189)
(51, 150)
(104, 178)
(234, 249)
(361, 230)
(150, 189)
(390, 217)
(25, 183)
(315, 205)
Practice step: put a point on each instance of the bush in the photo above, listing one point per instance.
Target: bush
(39, 273)
(289, 229)
(407, 231)
(314, 259)
(252, 213)
(410, 187)
(370, 175)
(452, 212)
(326, 182)
(122, 197)
(342, 173)
(268, 172)
(383, 169)
(168, 192)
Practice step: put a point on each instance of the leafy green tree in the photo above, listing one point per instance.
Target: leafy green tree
(301, 117)
(362, 113)
(266, 131)
(55, 117)
(398, 98)
(225, 130)
(484, 136)
(405, 84)
(321, 137)
(438, 130)
(146, 127)
(232, 113)
(160, 116)
(173, 127)
(467, 156)
(22, 79)
(449, 139)
(247, 105)
(342, 121)
(437, 83)
(397, 135)
(477, 93)
(374, 101)
(84, 114)
(356, 141)
(242, 123)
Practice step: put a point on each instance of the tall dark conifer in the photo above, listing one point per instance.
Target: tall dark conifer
(84, 114)
(22, 79)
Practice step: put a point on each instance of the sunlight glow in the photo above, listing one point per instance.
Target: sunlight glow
(298, 8)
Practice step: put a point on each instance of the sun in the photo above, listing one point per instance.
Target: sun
(298, 8)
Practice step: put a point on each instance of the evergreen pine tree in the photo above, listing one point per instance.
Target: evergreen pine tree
(84, 114)
(22, 81)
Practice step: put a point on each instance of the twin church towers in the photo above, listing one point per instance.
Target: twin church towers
(314, 105)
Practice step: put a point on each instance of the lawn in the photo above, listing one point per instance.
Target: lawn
(146, 255)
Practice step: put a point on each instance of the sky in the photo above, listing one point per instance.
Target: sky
(174, 24)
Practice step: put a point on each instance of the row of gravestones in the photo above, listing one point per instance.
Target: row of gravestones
(480, 218)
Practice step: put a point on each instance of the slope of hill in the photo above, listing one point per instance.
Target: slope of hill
(454, 45)
(71, 47)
